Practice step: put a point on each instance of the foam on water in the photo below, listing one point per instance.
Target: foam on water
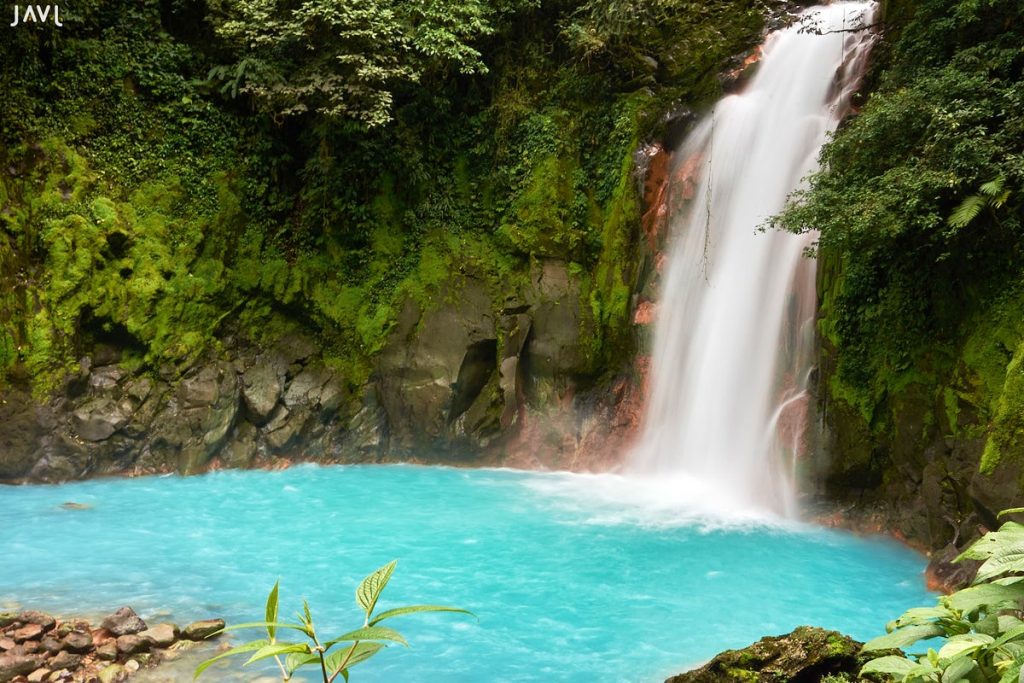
(573, 577)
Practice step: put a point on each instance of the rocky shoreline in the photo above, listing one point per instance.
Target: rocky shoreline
(36, 647)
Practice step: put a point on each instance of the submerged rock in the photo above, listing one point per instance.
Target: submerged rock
(806, 655)
(200, 630)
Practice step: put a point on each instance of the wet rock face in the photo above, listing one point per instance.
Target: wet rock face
(473, 374)
(806, 655)
(260, 405)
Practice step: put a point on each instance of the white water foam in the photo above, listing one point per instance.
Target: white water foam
(727, 412)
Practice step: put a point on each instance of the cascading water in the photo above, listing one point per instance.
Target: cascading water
(734, 335)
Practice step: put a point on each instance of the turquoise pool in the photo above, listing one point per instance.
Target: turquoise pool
(573, 577)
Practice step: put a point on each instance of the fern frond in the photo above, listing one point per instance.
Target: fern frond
(968, 210)
(993, 187)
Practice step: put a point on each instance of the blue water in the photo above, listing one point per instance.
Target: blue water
(573, 578)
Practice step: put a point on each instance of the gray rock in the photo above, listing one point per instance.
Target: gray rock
(261, 390)
(200, 630)
(41, 618)
(201, 390)
(124, 622)
(161, 635)
(27, 632)
(12, 666)
(66, 660)
(106, 378)
(39, 675)
(98, 419)
(78, 642)
(52, 645)
(107, 651)
(130, 644)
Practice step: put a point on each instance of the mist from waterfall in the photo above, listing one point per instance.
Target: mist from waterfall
(734, 337)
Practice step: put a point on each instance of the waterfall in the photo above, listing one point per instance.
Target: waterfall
(734, 335)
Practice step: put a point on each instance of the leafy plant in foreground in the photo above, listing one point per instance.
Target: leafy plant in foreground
(359, 644)
(981, 625)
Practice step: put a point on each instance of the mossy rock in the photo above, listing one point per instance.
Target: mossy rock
(806, 655)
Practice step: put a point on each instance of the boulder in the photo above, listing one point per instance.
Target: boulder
(54, 646)
(261, 390)
(77, 642)
(66, 660)
(124, 622)
(8, 644)
(38, 675)
(806, 655)
(98, 419)
(130, 644)
(115, 673)
(161, 635)
(200, 630)
(41, 618)
(107, 651)
(12, 666)
(27, 632)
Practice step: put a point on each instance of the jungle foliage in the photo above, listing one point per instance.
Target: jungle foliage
(978, 631)
(181, 172)
(919, 208)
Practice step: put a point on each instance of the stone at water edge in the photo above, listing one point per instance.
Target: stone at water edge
(107, 651)
(65, 660)
(115, 673)
(77, 642)
(124, 622)
(807, 654)
(7, 643)
(53, 646)
(17, 665)
(38, 675)
(131, 644)
(27, 632)
(161, 635)
(41, 618)
(200, 630)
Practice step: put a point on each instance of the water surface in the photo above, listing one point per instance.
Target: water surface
(573, 577)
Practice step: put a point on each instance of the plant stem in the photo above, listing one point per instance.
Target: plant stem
(344, 663)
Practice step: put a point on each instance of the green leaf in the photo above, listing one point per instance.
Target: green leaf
(271, 610)
(964, 644)
(1009, 511)
(369, 633)
(370, 589)
(1008, 534)
(274, 649)
(903, 637)
(891, 664)
(1008, 622)
(360, 653)
(1010, 634)
(1012, 673)
(413, 609)
(1008, 559)
(247, 647)
(991, 189)
(264, 624)
(967, 211)
(921, 615)
(297, 660)
(958, 669)
(988, 596)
